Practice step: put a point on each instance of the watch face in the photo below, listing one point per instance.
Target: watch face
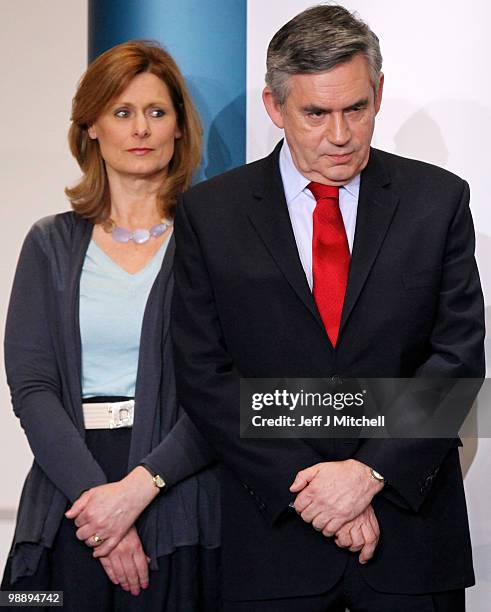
(159, 481)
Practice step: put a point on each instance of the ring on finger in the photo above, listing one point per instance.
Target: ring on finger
(97, 540)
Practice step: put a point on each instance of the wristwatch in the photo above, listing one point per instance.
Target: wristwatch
(377, 475)
(157, 479)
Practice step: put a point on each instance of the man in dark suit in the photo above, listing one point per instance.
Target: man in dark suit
(330, 259)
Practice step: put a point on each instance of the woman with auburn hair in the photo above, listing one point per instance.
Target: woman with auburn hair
(120, 508)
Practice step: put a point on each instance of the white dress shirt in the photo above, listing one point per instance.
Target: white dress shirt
(301, 204)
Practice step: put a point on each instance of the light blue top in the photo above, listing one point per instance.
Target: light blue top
(112, 303)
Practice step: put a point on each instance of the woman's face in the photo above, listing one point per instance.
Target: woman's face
(136, 133)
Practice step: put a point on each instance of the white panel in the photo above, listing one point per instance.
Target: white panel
(6, 534)
(43, 51)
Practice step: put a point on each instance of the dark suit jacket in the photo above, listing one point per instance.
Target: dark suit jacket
(242, 307)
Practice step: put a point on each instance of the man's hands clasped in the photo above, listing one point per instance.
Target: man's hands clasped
(335, 498)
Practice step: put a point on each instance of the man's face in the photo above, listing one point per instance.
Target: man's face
(328, 118)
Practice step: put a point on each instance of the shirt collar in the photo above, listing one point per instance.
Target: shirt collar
(294, 182)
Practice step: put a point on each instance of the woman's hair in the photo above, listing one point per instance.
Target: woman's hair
(105, 79)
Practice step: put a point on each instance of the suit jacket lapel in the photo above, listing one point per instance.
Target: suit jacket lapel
(376, 208)
(269, 215)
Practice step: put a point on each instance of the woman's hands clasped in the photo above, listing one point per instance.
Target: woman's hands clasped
(105, 517)
(127, 564)
(104, 514)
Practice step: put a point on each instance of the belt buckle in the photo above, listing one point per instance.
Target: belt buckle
(121, 414)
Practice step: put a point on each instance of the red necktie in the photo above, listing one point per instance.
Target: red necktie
(330, 257)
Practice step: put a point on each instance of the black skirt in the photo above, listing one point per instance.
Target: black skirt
(186, 581)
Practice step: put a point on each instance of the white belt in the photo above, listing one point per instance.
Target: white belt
(108, 415)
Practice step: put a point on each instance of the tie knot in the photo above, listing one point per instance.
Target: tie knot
(323, 192)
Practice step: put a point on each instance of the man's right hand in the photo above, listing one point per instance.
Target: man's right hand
(333, 493)
(361, 534)
(127, 564)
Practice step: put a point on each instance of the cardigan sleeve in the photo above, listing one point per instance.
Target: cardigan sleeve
(182, 453)
(34, 378)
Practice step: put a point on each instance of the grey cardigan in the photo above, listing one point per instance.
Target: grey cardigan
(43, 363)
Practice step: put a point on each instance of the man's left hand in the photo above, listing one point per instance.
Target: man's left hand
(333, 493)
(361, 534)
